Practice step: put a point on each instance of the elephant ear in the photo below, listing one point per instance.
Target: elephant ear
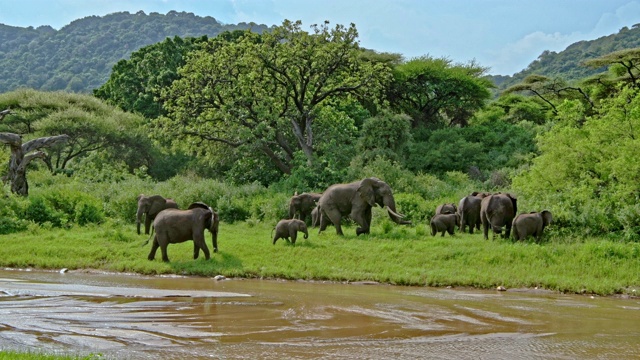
(198, 204)
(546, 217)
(366, 191)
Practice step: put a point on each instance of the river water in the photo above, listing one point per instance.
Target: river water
(122, 316)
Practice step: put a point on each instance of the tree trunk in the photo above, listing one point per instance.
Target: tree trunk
(18, 161)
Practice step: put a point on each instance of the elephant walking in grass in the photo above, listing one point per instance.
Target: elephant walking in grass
(149, 207)
(288, 228)
(301, 206)
(531, 224)
(355, 200)
(469, 211)
(497, 211)
(442, 223)
(174, 226)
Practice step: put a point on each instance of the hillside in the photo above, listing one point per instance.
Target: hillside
(79, 56)
(566, 64)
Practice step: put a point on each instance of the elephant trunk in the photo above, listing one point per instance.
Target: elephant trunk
(390, 205)
(215, 222)
(139, 219)
(292, 210)
(306, 233)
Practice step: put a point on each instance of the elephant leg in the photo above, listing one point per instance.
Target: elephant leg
(364, 220)
(147, 223)
(485, 228)
(199, 243)
(154, 248)
(335, 218)
(196, 250)
(294, 236)
(163, 248)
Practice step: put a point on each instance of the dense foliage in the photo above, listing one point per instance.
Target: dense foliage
(79, 57)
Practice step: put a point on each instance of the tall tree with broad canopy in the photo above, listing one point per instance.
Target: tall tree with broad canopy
(436, 92)
(264, 92)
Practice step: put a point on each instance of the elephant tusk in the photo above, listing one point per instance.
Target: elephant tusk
(393, 212)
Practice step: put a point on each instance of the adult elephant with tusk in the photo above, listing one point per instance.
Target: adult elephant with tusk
(356, 200)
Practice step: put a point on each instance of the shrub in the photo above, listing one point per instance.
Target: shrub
(40, 212)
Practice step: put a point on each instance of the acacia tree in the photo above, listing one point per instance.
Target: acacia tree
(436, 91)
(22, 155)
(549, 89)
(263, 93)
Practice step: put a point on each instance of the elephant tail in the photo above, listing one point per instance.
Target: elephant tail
(150, 236)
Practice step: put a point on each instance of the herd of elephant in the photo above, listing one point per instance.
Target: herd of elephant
(495, 211)
(339, 201)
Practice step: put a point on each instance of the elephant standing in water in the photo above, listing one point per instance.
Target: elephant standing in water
(301, 206)
(174, 226)
(531, 224)
(497, 211)
(150, 206)
(356, 200)
(469, 211)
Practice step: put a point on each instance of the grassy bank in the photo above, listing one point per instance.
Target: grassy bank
(391, 254)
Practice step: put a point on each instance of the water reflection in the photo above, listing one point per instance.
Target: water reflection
(299, 320)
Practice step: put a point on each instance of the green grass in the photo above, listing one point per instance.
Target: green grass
(396, 255)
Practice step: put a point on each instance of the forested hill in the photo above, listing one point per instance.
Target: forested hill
(79, 57)
(566, 64)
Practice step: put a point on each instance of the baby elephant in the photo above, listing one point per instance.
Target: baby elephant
(444, 222)
(289, 228)
(531, 224)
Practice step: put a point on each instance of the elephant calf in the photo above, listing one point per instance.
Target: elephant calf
(444, 222)
(289, 228)
(531, 224)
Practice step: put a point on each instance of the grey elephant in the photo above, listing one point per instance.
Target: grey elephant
(469, 211)
(449, 208)
(355, 200)
(531, 224)
(315, 217)
(174, 226)
(150, 206)
(288, 228)
(441, 223)
(301, 206)
(497, 211)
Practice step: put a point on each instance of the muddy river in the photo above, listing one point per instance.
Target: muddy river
(131, 317)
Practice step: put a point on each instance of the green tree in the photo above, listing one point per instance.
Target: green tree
(587, 172)
(385, 135)
(136, 83)
(263, 93)
(550, 90)
(436, 92)
(624, 65)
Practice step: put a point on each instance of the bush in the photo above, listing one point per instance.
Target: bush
(41, 212)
